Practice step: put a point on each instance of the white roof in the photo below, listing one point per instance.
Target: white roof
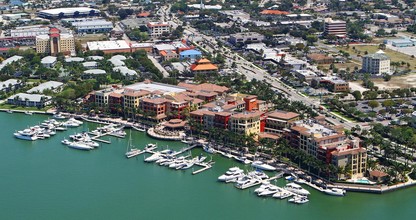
(48, 60)
(29, 97)
(95, 58)
(142, 45)
(56, 11)
(108, 45)
(95, 72)
(6, 83)
(47, 85)
(10, 60)
(151, 87)
(89, 64)
(74, 59)
(92, 23)
(164, 47)
(125, 71)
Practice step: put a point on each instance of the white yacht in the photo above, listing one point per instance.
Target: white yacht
(80, 146)
(66, 141)
(259, 174)
(232, 173)
(9, 111)
(335, 191)
(299, 199)
(295, 188)
(150, 146)
(260, 165)
(282, 194)
(188, 164)
(246, 181)
(28, 113)
(243, 160)
(59, 116)
(269, 191)
(208, 149)
(92, 143)
(27, 134)
(75, 121)
(154, 157)
(177, 163)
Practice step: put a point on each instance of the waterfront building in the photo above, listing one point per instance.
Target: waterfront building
(156, 29)
(29, 100)
(280, 121)
(246, 123)
(55, 42)
(335, 27)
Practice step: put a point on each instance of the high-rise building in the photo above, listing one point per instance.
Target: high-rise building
(335, 27)
(377, 63)
(55, 42)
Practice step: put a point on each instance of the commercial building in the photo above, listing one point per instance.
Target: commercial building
(190, 55)
(304, 75)
(29, 100)
(29, 31)
(203, 66)
(55, 43)
(377, 63)
(59, 13)
(335, 27)
(119, 46)
(280, 121)
(246, 37)
(156, 29)
(333, 84)
(93, 26)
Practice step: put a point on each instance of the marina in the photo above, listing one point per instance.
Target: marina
(138, 178)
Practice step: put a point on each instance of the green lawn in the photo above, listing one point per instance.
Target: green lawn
(14, 107)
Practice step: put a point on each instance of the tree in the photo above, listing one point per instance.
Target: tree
(373, 104)
(381, 32)
(357, 95)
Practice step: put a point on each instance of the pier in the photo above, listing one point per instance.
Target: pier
(205, 166)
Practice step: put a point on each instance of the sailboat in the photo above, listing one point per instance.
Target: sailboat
(131, 151)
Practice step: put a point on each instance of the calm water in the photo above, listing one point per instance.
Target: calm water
(46, 180)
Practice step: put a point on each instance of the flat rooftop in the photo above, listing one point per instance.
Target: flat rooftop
(108, 45)
(151, 87)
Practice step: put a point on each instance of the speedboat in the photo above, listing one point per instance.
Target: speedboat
(335, 191)
(282, 194)
(299, 181)
(9, 111)
(92, 143)
(75, 121)
(150, 146)
(66, 141)
(187, 165)
(28, 113)
(177, 163)
(232, 173)
(133, 152)
(27, 134)
(80, 146)
(260, 165)
(208, 149)
(299, 199)
(243, 160)
(154, 157)
(295, 188)
(269, 191)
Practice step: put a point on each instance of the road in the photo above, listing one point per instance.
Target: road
(158, 66)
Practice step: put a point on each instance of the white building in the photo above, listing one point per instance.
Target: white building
(29, 31)
(29, 100)
(93, 26)
(68, 12)
(9, 85)
(48, 61)
(377, 63)
(156, 29)
(51, 85)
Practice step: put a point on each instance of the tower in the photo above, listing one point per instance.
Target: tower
(55, 38)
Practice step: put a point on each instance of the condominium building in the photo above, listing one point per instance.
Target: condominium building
(352, 157)
(156, 29)
(246, 123)
(132, 98)
(279, 121)
(55, 42)
(377, 63)
(335, 27)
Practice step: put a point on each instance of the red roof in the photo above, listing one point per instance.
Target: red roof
(144, 14)
(273, 12)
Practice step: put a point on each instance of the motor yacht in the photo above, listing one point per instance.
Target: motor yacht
(80, 146)
(299, 199)
(246, 181)
(259, 174)
(295, 188)
(232, 173)
(243, 160)
(154, 157)
(66, 141)
(208, 149)
(335, 191)
(263, 166)
(27, 134)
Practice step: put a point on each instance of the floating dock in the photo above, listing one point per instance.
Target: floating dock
(205, 166)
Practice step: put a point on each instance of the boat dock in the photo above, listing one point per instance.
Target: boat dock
(279, 175)
(205, 166)
(183, 150)
(314, 186)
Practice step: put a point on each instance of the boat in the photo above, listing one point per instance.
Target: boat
(295, 188)
(282, 194)
(335, 191)
(299, 181)
(61, 129)
(59, 116)
(154, 157)
(187, 165)
(208, 149)
(299, 199)
(75, 121)
(27, 134)
(92, 144)
(243, 160)
(178, 162)
(66, 141)
(150, 146)
(188, 140)
(269, 191)
(232, 173)
(246, 181)
(263, 166)
(80, 146)
(28, 113)
(119, 133)
(259, 174)
(9, 111)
